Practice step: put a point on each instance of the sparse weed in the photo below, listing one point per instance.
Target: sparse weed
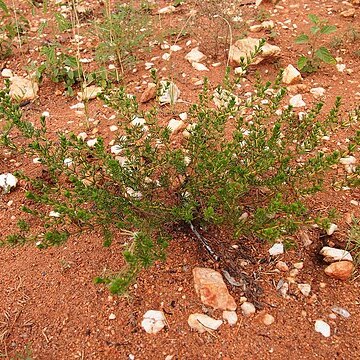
(318, 54)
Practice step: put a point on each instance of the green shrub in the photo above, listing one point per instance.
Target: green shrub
(245, 165)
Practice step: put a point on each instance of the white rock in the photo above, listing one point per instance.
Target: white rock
(54, 214)
(317, 92)
(243, 48)
(113, 128)
(348, 160)
(199, 67)
(175, 125)
(78, 106)
(153, 321)
(23, 89)
(297, 101)
(6, 73)
(202, 323)
(230, 316)
(333, 254)
(276, 249)
(37, 160)
(116, 149)
(112, 316)
(175, 48)
(323, 328)
(167, 9)
(91, 143)
(82, 136)
(268, 319)
(291, 75)
(134, 194)
(331, 229)
(7, 181)
(166, 56)
(247, 308)
(340, 311)
(68, 161)
(255, 28)
(169, 92)
(268, 24)
(138, 121)
(340, 67)
(195, 55)
(45, 114)
(183, 116)
(305, 289)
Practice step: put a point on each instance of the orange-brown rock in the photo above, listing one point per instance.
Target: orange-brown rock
(340, 270)
(149, 93)
(211, 288)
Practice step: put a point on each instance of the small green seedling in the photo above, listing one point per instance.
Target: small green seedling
(318, 54)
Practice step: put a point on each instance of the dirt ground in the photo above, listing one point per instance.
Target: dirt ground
(50, 307)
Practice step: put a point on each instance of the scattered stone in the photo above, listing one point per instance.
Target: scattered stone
(22, 89)
(175, 48)
(243, 48)
(55, 214)
(348, 12)
(112, 317)
(341, 270)
(202, 322)
(149, 93)
(78, 106)
(276, 249)
(116, 149)
(82, 136)
(195, 55)
(138, 121)
(68, 162)
(305, 289)
(299, 265)
(230, 316)
(183, 116)
(340, 67)
(6, 73)
(348, 160)
(281, 265)
(89, 93)
(91, 143)
(331, 229)
(7, 181)
(199, 67)
(247, 308)
(323, 328)
(268, 24)
(153, 321)
(268, 319)
(283, 288)
(169, 92)
(209, 284)
(297, 101)
(333, 254)
(305, 238)
(255, 28)
(294, 273)
(167, 9)
(340, 311)
(317, 92)
(291, 75)
(175, 125)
